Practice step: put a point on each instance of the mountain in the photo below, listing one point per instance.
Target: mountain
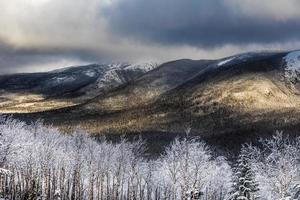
(26, 93)
(251, 92)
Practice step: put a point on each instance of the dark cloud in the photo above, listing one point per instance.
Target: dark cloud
(201, 23)
(39, 35)
(14, 59)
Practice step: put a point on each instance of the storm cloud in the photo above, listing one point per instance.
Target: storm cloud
(39, 35)
(207, 24)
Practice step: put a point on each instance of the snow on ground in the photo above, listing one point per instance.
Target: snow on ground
(62, 79)
(240, 58)
(112, 75)
(292, 61)
(223, 62)
(56, 71)
(90, 73)
(109, 77)
(142, 66)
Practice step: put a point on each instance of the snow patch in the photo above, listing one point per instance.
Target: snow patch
(90, 73)
(235, 59)
(112, 76)
(64, 79)
(60, 70)
(293, 61)
(145, 67)
(245, 57)
(292, 68)
(223, 62)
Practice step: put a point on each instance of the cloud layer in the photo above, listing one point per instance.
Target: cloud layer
(56, 33)
(207, 24)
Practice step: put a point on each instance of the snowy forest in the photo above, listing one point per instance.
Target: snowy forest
(40, 162)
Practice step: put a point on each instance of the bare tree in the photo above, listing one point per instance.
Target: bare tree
(38, 162)
(277, 165)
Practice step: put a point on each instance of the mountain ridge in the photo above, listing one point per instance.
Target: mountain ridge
(72, 85)
(252, 91)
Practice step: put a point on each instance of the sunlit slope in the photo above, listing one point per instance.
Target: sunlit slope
(38, 92)
(242, 93)
(248, 91)
(148, 87)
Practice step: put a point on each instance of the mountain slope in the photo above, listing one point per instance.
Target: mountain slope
(242, 93)
(65, 87)
(148, 87)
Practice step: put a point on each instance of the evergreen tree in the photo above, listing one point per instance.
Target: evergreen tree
(245, 186)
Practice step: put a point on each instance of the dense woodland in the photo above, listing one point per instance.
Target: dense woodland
(39, 162)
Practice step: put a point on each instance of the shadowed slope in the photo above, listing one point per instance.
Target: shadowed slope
(242, 93)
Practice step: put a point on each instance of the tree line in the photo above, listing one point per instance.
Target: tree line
(40, 162)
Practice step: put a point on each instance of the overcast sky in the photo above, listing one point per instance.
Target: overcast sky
(39, 35)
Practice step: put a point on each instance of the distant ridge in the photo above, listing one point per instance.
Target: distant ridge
(256, 91)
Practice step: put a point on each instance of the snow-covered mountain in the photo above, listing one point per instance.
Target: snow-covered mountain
(65, 87)
(292, 65)
(257, 91)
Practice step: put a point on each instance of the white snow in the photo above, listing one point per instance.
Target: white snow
(246, 56)
(292, 68)
(223, 62)
(58, 80)
(5, 172)
(61, 69)
(90, 73)
(112, 76)
(109, 77)
(142, 66)
(293, 61)
(238, 58)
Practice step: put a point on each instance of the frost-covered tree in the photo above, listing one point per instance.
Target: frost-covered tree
(276, 163)
(39, 162)
(188, 166)
(293, 193)
(245, 185)
(220, 180)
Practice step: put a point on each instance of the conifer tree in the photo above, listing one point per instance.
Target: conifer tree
(245, 186)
